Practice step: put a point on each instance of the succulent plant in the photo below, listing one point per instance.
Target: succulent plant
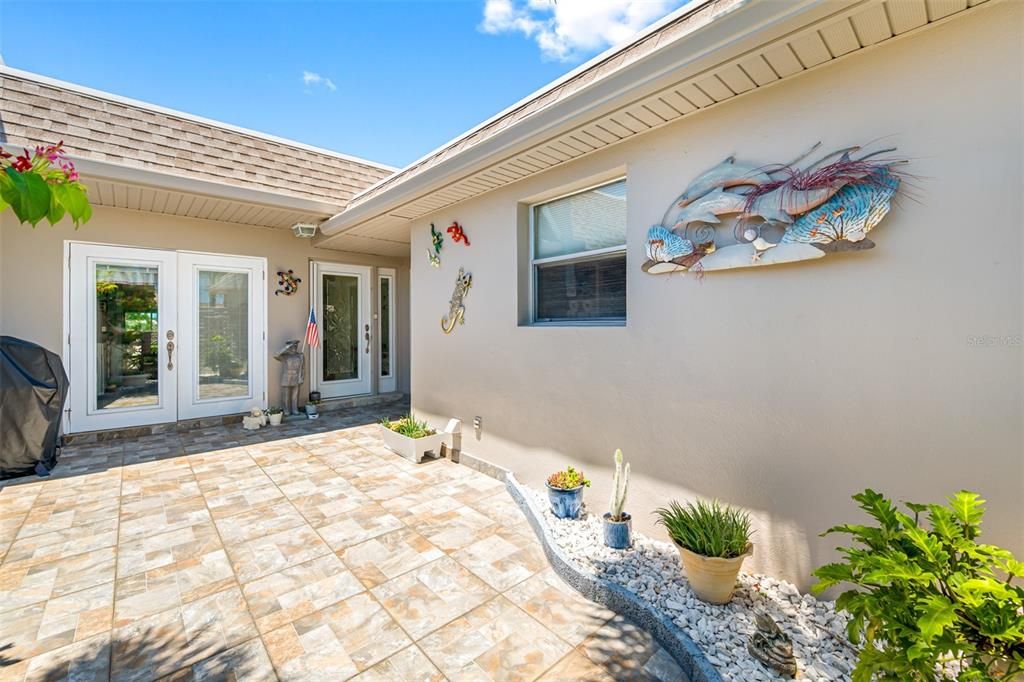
(568, 479)
(409, 426)
(620, 487)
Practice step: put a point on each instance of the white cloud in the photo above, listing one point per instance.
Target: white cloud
(310, 80)
(568, 29)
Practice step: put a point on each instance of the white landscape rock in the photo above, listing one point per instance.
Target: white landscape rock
(652, 571)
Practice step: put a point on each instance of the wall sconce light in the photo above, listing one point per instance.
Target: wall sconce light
(304, 230)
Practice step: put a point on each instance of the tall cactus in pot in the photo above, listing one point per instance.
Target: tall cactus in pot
(618, 525)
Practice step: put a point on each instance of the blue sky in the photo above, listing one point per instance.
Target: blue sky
(389, 80)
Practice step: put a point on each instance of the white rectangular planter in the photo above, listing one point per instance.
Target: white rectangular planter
(412, 448)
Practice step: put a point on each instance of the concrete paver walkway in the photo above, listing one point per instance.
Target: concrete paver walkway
(301, 552)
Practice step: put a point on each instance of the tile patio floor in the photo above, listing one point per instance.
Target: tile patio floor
(301, 552)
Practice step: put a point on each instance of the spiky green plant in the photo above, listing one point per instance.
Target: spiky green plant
(620, 486)
(409, 426)
(707, 528)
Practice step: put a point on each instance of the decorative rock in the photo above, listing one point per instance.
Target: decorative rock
(770, 645)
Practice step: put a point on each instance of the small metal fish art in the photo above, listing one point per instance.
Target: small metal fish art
(457, 234)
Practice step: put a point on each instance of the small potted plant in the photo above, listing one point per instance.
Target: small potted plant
(410, 437)
(275, 414)
(311, 409)
(712, 540)
(565, 492)
(618, 525)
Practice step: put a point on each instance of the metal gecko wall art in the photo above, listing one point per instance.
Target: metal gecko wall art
(457, 233)
(779, 213)
(437, 238)
(288, 282)
(456, 308)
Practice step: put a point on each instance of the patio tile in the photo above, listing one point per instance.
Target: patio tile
(167, 587)
(428, 597)
(143, 554)
(387, 556)
(452, 529)
(494, 641)
(168, 478)
(45, 626)
(504, 558)
(246, 662)
(66, 513)
(408, 665)
(501, 508)
(168, 641)
(336, 642)
(88, 659)
(271, 553)
(261, 521)
(385, 481)
(61, 544)
(238, 501)
(559, 607)
(420, 501)
(576, 667)
(280, 598)
(365, 521)
(27, 583)
(470, 489)
(330, 503)
(153, 515)
(627, 652)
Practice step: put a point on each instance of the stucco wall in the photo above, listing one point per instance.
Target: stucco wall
(783, 389)
(31, 273)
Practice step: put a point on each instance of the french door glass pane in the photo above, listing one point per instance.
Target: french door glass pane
(385, 326)
(127, 336)
(341, 327)
(223, 354)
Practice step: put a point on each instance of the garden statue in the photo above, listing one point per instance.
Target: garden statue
(770, 645)
(293, 369)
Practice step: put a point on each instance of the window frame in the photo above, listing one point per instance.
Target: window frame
(576, 257)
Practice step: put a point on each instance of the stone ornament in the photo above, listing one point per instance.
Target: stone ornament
(456, 309)
(778, 213)
(293, 371)
(771, 646)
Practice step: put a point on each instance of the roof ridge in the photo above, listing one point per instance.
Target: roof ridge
(10, 71)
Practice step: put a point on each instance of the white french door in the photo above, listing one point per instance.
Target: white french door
(155, 336)
(341, 298)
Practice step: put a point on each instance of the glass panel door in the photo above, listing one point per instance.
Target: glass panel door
(341, 364)
(222, 334)
(386, 307)
(121, 337)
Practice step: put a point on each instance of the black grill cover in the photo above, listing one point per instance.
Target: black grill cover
(33, 389)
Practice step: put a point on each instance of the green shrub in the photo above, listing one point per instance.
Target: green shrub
(409, 426)
(708, 529)
(568, 479)
(929, 594)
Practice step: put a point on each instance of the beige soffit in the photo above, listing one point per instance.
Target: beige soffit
(159, 144)
(704, 54)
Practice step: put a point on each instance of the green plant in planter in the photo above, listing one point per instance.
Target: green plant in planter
(707, 528)
(409, 426)
(927, 594)
(568, 479)
(275, 410)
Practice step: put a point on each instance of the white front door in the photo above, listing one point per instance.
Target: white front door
(341, 298)
(155, 336)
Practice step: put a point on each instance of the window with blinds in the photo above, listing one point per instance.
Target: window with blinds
(578, 256)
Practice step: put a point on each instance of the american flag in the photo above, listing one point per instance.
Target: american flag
(312, 333)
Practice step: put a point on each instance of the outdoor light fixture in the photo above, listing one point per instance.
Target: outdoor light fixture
(304, 230)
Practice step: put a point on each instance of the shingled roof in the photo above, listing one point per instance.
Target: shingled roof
(104, 127)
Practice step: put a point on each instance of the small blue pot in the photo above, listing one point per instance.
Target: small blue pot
(565, 504)
(618, 534)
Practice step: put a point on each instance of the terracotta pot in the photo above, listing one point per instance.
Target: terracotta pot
(713, 579)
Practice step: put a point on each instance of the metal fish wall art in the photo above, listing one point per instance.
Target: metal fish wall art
(724, 218)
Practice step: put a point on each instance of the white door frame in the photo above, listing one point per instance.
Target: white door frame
(363, 384)
(80, 353)
(190, 405)
(80, 338)
(386, 383)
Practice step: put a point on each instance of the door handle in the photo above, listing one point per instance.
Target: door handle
(367, 338)
(170, 355)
